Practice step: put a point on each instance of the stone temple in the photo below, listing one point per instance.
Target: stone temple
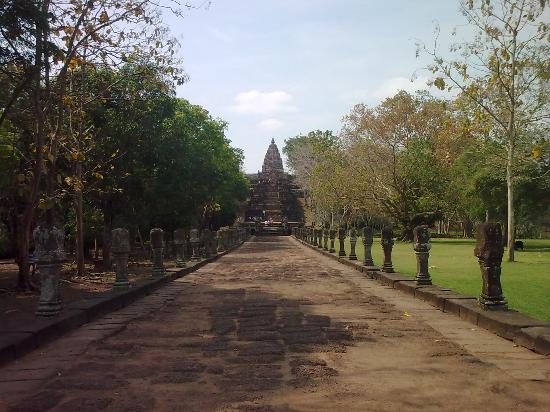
(275, 200)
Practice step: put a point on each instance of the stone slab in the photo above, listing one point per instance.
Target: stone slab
(506, 323)
(527, 336)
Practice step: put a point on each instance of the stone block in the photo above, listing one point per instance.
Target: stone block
(542, 344)
(506, 323)
(452, 303)
(408, 286)
(390, 278)
(527, 336)
(468, 309)
(433, 295)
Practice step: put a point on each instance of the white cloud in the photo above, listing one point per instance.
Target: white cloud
(390, 87)
(271, 124)
(266, 103)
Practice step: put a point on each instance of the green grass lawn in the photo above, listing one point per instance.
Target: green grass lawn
(525, 283)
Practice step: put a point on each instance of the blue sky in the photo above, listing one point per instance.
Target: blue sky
(278, 68)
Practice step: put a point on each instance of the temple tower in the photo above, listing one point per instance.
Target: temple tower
(273, 196)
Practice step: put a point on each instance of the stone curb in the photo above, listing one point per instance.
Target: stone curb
(523, 330)
(17, 340)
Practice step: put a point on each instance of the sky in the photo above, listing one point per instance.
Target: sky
(280, 68)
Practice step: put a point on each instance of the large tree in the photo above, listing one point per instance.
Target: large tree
(505, 71)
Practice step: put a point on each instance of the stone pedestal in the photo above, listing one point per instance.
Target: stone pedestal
(422, 248)
(353, 242)
(332, 236)
(120, 247)
(49, 255)
(387, 246)
(314, 236)
(325, 239)
(367, 236)
(341, 239)
(489, 250)
(320, 238)
(180, 238)
(157, 246)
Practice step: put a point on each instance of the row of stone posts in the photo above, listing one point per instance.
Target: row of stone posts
(489, 251)
(49, 256)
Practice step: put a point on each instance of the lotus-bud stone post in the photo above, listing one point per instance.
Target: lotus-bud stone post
(49, 255)
(341, 238)
(387, 246)
(489, 250)
(179, 243)
(367, 236)
(422, 248)
(120, 246)
(157, 246)
(194, 240)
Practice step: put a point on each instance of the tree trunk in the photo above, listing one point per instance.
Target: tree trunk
(24, 282)
(510, 221)
(79, 235)
(106, 247)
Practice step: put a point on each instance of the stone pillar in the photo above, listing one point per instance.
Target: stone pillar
(320, 238)
(353, 242)
(332, 236)
(422, 248)
(120, 247)
(49, 255)
(157, 246)
(387, 246)
(367, 246)
(325, 239)
(341, 238)
(489, 250)
(195, 241)
(179, 243)
(314, 236)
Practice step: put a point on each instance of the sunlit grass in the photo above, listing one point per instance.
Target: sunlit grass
(526, 282)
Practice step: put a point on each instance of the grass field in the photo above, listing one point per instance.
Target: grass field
(525, 283)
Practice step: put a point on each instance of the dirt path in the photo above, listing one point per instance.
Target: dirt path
(277, 327)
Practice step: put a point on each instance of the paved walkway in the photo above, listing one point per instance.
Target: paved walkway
(275, 326)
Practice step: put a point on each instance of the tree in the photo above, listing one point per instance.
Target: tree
(317, 162)
(393, 148)
(40, 43)
(505, 70)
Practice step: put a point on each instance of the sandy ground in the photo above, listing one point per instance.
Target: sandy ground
(275, 326)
